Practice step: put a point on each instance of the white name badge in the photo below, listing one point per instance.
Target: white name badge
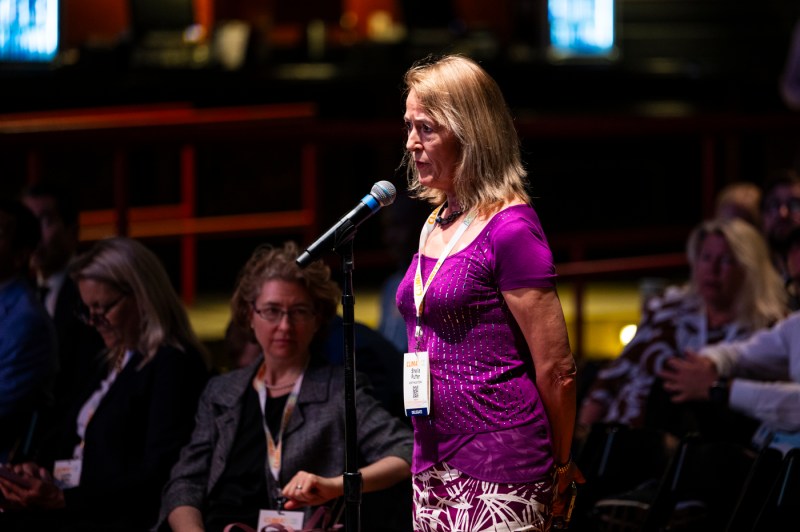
(67, 473)
(269, 518)
(417, 384)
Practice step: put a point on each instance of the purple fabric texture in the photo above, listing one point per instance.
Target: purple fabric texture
(487, 418)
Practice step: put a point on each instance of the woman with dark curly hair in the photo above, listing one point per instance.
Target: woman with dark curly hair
(286, 409)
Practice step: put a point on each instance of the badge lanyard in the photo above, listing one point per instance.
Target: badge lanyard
(274, 447)
(420, 289)
(416, 364)
(90, 407)
(67, 473)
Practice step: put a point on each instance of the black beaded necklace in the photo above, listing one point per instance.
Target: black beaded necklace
(450, 218)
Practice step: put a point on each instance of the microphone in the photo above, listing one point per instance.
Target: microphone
(382, 194)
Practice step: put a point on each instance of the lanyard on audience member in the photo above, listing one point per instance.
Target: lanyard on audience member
(86, 412)
(419, 288)
(274, 446)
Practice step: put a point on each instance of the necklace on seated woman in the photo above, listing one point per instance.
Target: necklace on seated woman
(279, 386)
(450, 218)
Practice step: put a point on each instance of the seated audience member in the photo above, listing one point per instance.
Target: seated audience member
(759, 377)
(115, 451)
(27, 337)
(286, 409)
(733, 291)
(78, 343)
(781, 215)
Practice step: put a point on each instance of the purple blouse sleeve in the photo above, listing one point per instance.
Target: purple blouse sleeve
(522, 255)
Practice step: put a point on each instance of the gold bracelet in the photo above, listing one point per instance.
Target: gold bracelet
(563, 468)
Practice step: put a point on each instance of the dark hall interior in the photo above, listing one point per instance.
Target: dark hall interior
(207, 127)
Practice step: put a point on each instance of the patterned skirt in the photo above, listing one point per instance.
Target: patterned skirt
(447, 500)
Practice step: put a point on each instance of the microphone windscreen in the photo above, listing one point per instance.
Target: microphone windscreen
(384, 192)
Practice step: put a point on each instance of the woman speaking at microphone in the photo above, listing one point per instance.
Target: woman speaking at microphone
(485, 327)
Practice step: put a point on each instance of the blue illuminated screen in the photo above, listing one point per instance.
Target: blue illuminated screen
(29, 30)
(581, 27)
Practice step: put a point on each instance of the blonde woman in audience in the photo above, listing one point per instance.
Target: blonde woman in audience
(733, 292)
(125, 431)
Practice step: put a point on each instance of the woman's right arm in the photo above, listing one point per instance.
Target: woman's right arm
(186, 519)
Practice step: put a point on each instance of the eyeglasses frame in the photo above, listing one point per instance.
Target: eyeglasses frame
(88, 316)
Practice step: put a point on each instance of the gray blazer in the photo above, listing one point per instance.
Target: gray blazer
(314, 439)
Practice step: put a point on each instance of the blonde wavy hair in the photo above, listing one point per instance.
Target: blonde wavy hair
(134, 270)
(762, 299)
(461, 97)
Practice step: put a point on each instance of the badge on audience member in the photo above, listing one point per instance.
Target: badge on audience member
(291, 520)
(67, 473)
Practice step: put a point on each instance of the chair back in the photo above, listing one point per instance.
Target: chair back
(616, 458)
(697, 492)
(758, 484)
(779, 511)
(701, 487)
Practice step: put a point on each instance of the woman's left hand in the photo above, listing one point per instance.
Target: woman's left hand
(41, 491)
(564, 494)
(306, 489)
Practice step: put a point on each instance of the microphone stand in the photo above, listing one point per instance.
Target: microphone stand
(352, 476)
(341, 235)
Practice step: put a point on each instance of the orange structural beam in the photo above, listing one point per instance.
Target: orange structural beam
(143, 227)
(603, 267)
(146, 117)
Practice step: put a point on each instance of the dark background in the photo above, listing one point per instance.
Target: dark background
(624, 156)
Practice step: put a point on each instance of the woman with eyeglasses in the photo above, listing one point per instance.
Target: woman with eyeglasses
(270, 437)
(105, 468)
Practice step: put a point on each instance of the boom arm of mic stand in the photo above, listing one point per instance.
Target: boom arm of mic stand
(332, 240)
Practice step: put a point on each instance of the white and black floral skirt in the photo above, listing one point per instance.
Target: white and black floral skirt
(447, 500)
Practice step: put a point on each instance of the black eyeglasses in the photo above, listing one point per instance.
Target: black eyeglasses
(274, 314)
(97, 315)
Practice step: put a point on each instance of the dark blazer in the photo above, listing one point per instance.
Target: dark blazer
(314, 439)
(133, 438)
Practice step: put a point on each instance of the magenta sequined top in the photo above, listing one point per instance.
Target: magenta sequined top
(486, 415)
